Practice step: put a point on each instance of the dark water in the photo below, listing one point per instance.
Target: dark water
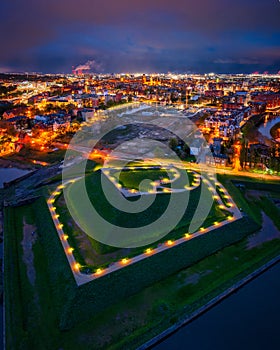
(9, 174)
(249, 319)
(266, 127)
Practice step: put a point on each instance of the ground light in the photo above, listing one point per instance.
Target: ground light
(76, 266)
(99, 272)
(125, 261)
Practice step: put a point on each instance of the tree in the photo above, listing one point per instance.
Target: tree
(173, 143)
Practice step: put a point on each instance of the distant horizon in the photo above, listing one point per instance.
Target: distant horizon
(275, 73)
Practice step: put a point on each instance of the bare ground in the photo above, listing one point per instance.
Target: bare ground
(29, 238)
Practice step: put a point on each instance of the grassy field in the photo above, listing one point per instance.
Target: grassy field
(43, 313)
(132, 179)
(92, 254)
(29, 155)
(33, 311)
(252, 204)
(29, 307)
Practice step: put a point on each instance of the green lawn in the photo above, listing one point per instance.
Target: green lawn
(253, 206)
(93, 254)
(28, 155)
(33, 312)
(29, 308)
(131, 179)
(44, 315)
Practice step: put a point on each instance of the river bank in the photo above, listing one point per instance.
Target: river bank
(173, 329)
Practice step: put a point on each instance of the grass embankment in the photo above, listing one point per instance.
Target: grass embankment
(28, 156)
(132, 179)
(33, 314)
(91, 253)
(29, 308)
(253, 197)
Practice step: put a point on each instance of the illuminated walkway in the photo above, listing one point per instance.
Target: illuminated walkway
(81, 278)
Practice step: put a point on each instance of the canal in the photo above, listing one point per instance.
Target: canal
(248, 319)
(265, 128)
(9, 174)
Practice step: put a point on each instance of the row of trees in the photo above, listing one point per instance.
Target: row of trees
(258, 158)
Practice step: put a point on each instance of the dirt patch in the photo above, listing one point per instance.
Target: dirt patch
(195, 277)
(267, 233)
(29, 238)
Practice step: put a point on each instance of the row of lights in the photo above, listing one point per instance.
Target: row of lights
(149, 251)
(225, 196)
(76, 266)
(124, 261)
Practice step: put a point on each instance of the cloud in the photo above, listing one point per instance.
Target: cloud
(55, 35)
(244, 61)
(90, 65)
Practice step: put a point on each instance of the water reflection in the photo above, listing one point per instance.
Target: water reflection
(9, 174)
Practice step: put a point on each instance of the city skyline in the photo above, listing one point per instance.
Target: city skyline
(201, 37)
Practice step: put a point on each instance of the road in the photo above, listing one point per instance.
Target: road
(86, 151)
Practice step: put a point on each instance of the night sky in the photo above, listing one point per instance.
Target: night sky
(229, 36)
